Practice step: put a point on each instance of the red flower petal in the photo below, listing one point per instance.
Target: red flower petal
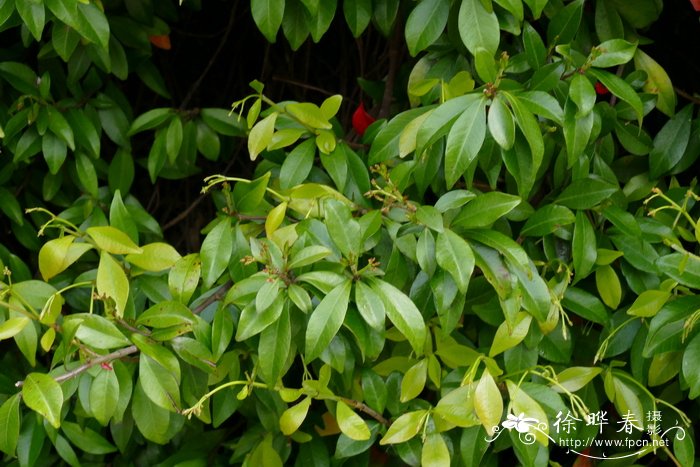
(106, 366)
(361, 119)
(161, 41)
(601, 89)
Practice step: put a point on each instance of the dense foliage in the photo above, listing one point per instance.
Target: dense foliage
(502, 267)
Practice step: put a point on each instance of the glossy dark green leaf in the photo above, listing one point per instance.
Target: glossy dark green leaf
(455, 256)
(547, 219)
(683, 268)
(583, 247)
(268, 15)
(501, 124)
(403, 313)
(565, 24)
(485, 210)
(216, 251)
(535, 51)
(670, 143)
(478, 27)
(273, 348)
(358, 14)
(621, 89)
(586, 305)
(425, 24)
(586, 193)
(326, 319)
(464, 141)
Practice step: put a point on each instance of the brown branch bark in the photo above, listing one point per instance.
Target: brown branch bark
(362, 407)
(116, 355)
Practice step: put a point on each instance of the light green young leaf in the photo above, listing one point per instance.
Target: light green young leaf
(43, 394)
(112, 282)
(413, 381)
(488, 403)
(658, 82)
(614, 52)
(351, 424)
(98, 332)
(435, 452)
(405, 427)
(574, 378)
(261, 135)
(184, 277)
(609, 287)
(104, 394)
(112, 240)
(155, 257)
(501, 124)
(216, 251)
(292, 418)
(507, 336)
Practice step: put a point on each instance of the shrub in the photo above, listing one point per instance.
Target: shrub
(502, 267)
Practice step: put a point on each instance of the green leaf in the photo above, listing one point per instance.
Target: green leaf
(657, 82)
(292, 418)
(670, 143)
(268, 15)
(155, 257)
(586, 305)
(413, 381)
(174, 137)
(33, 15)
(583, 247)
(582, 93)
(55, 152)
(104, 393)
(20, 77)
(608, 23)
(488, 403)
(358, 14)
(535, 51)
(98, 332)
(614, 52)
(112, 282)
(564, 24)
(478, 27)
(13, 326)
(435, 452)
(149, 120)
(501, 124)
(454, 255)
(297, 164)
(351, 424)
(87, 176)
(326, 319)
(405, 427)
(464, 141)
(547, 219)
(609, 287)
(89, 440)
(522, 403)
(60, 127)
(10, 206)
(486, 209)
(9, 425)
(690, 366)
(159, 384)
(384, 14)
(343, 229)
(166, 314)
(619, 87)
(152, 421)
(648, 303)
(43, 394)
(586, 193)
(457, 407)
(216, 251)
(274, 347)
(184, 277)
(112, 240)
(308, 114)
(683, 268)
(386, 143)
(261, 135)
(370, 306)
(574, 378)
(508, 336)
(530, 127)
(402, 312)
(425, 24)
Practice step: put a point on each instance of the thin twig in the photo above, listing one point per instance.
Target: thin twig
(303, 85)
(686, 95)
(212, 60)
(174, 221)
(116, 355)
(362, 407)
(215, 297)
